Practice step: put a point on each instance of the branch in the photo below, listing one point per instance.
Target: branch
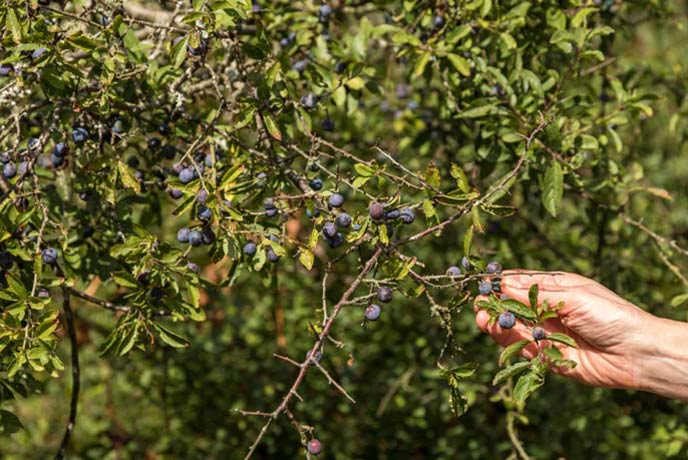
(69, 316)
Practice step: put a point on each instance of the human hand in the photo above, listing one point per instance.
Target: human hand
(617, 341)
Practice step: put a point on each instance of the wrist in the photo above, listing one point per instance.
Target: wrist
(661, 358)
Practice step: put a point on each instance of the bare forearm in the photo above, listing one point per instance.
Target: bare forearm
(663, 359)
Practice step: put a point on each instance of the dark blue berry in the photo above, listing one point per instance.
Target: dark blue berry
(208, 236)
(176, 193)
(336, 241)
(169, 151)
(343, 219)
(539, 333)
(336, 200)
(154, 143)
(38, 53)
(316, 184)
(204, 213)
(453, 271)
(407, 215)
(372, 312)
(466, 264)
(5, 69)
(9, 170)
(80, 135)
(340, 67)
(187, 175)
(6, 260)
(49, 255)
(438, 22)
(325, 11)
(329, 230)
(272, 212)
(506, 320)
(485, 287)
(61, 149)
(494, 268)
(272, 255)
(384, 294)
(183, 235)
(250, 248)
(392, 214)
(309, 100)
(328, 124)
(56, 161)
(195, 238)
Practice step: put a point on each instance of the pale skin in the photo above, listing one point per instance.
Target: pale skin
(619, 344)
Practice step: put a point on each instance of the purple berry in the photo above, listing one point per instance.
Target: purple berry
(329, 230)
(384, 294)
(485, 287)
(49, 255)
(5, 69)
(183, 235)
(372, 312)
(176, 193)
(80, 135)
(494, 268)
(407, 215)
(195, 238)
(250, 248)
(466, 264)
(9, 170)
(343, 219)
(376, 210)
(336, 241)
(314, 447)
(186, 175)
(208, 236)
(539, 333)
(453, 271)
(193, 267)
(204, 213)
(309, 101)
(506, 320)
(272, 256)
(316, 184)
(336, 200)
(328, 124)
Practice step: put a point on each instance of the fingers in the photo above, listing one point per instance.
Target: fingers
(556, 287)
(504, 337)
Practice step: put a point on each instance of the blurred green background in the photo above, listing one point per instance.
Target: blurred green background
(179, 404)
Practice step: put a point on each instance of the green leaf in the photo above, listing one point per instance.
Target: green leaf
(533, 296)
(512, 350)
(170, 338)
(476, 112)
(364, 170)
(127, 176)
(432, 174)
(272, 128)
(9, 423)
(679, 300)
(459, 64)
(306, 258)
(579, 18)
(508, 40)
(526, 385)
(553, 188)
(510, 371)
(13, 25)
(519, 309)
(460, 177)
(421, 63)
(562, 338)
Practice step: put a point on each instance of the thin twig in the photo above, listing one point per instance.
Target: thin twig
(73, 405)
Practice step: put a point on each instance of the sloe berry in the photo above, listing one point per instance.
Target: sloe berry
(250, 248)
(343, 219)
(176, 193)
(384, 294)
(6, 260)
(506, 320)
(272, 255)
(493, 268)
(329, 230)
(438, 22)
(183, 235)
(328, 124)
(309, 100)
(272, 212)
(208, 236)
(485, 287)
(539, 333)
(9, 170)
(80, 135)
(407, 215)
(193, 267)
(316, 184)
(372, 312)
(314, 447)
(49, 255)
(154, 143)
(376, 210)
(186, 175)
(336, 241)
(336, 200)
(466, 264)
(195, 238)
(454, 271)
(204, 213)
(392, 214)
